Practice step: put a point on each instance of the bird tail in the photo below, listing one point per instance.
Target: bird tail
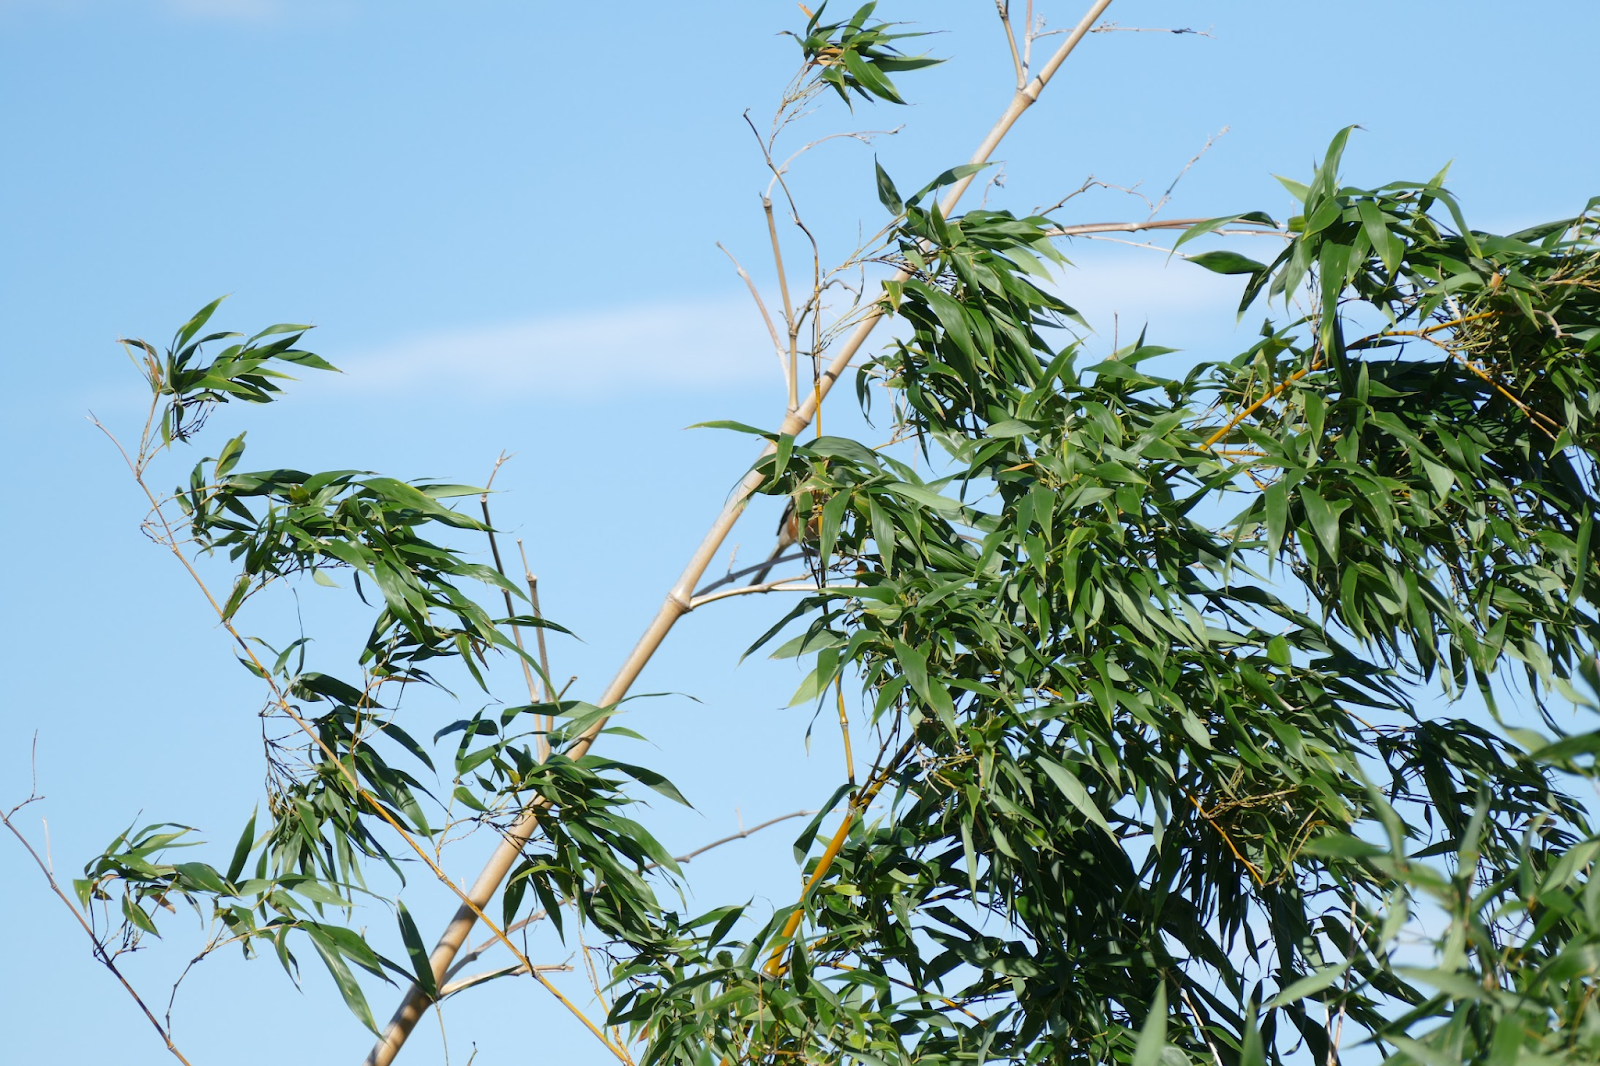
(772, 560)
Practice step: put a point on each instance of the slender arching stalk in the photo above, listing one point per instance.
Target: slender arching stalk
(678, 600)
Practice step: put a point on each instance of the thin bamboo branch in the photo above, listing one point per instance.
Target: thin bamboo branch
(505, 971)
(740, 835)
(858, 804)
(548, 720)
(761, 305)
(844, 731)
(1543, 423)
(1003, 8)
(1169, 223)
(1200, 1027)
(1028, 36)
(733, 575)
(783, 584)
(792, 367)
(477, 953)
(99, 949)
(1316, 364)
(677, 602)
(1255, 874)
(903, 984)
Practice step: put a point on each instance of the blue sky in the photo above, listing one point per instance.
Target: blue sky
(501, 217)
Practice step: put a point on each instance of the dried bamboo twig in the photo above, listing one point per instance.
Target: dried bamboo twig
(1003, 8)
(792, 366)
(677, 601)
(547, 721)
(761, 305)
(465, 983)
(798, 583)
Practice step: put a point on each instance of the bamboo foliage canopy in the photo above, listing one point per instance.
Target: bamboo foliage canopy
(1168, 672)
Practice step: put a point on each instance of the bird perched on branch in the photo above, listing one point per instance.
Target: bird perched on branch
(789, 535)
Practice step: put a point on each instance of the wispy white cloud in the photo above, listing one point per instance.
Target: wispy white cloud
(691, 346)
(226, 10)
(711, 344)
(248, 12)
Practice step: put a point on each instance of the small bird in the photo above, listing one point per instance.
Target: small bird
(788, 537)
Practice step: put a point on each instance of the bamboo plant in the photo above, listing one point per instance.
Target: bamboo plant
(1149, 764)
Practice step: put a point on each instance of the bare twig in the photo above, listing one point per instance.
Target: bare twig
(798, 583)
(505, 971)
(740, 835)
(548, 721)
(772, 331)
(1087, 228)
(792, 366)
(1003, 7)
(1092, 182)
(1166, 196)
(1112, 27)
(733, 575)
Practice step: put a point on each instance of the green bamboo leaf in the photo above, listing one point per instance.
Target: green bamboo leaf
(349, 990)
(1067, 781)
(1324, 517)
(197, 875)
(1309, 985)
(887, 195)
(1153, 1034)
(1200, 229)
(421, 966)
(1224, 262)
(241, 850)
(1580, 561)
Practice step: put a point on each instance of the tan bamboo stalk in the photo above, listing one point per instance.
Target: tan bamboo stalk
(677, 602)
(547, 722)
